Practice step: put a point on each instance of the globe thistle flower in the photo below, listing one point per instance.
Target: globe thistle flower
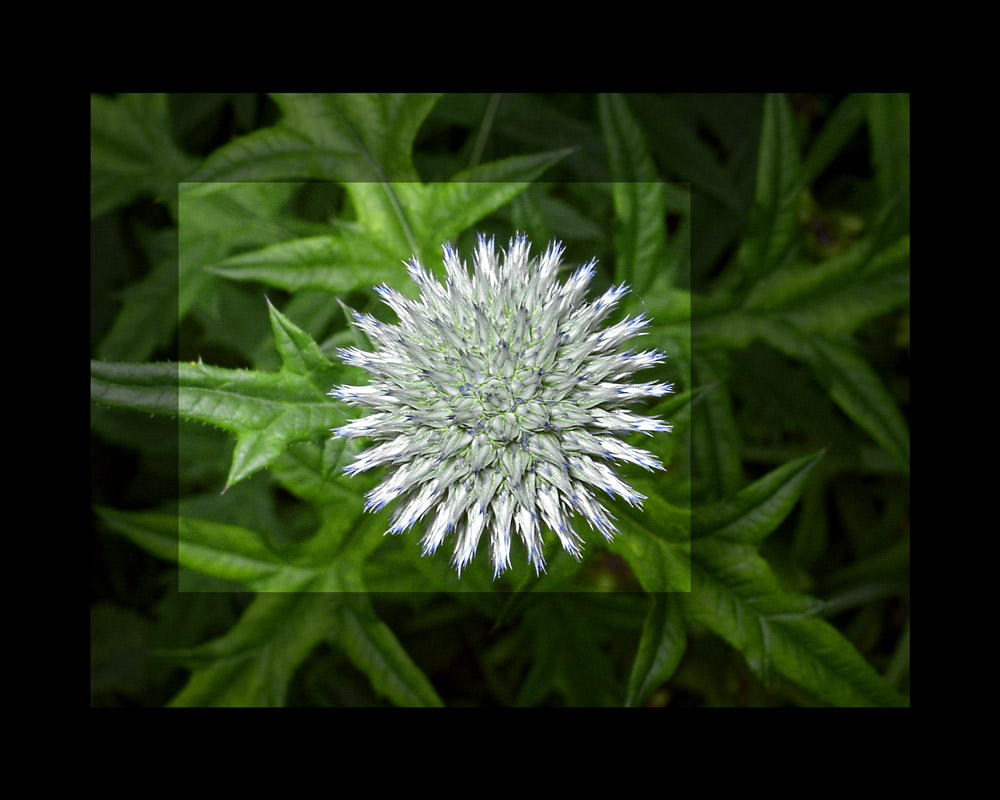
(496, 400)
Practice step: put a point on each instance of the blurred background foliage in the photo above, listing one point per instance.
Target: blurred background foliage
(766, 235)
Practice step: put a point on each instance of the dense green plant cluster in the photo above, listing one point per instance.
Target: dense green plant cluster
(234, 237)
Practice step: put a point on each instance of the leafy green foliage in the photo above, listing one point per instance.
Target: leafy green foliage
(640, 198)
(266, 411)
(771, 233)
(661, 648)
(766, 236)
(132, 152)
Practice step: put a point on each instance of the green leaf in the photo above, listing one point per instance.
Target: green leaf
(535, 124)
(528, 213)
(337, 453)
(674, 139)
(223, 551)
(736, 595)
(336, 264)
(848, 378)
(214, 220)
(560, 569)
(889, 563)
(756, 511)
(889, 130)
(567, 657)
(238, 215)
(381, 126)
(374, 649)
(837, 133)
(132, 152)
(839, 295)
(661, 648)
(156, 533)
(639, 196)
(148, 316)
(266, 411)
(714, 435)
(394, 221)
(389, 213)
(342, 137)
(346, 533)
(772, 232)
(659, 565)
(253, 663)
(451, 207)
(835, 297)
(233, 553)
(280, 152)
(852, 385)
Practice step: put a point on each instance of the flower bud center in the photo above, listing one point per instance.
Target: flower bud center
(495, 396)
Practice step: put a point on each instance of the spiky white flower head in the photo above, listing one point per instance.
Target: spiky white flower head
(497, 398)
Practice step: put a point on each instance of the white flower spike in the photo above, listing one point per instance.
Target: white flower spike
(496, 399)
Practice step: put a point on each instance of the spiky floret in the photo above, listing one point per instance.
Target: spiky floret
(497, 399)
